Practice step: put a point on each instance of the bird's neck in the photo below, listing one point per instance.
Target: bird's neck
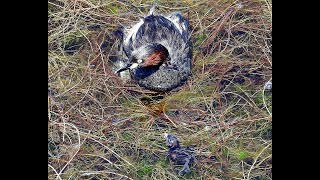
(155, 59)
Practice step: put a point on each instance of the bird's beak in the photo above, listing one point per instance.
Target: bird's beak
(128, 66)
(165, 135)
(121, 69)
(134, 65)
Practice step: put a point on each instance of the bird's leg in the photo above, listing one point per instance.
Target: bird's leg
(185, 168)
(167, 156)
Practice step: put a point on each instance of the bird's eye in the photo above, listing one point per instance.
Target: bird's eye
(139, 61)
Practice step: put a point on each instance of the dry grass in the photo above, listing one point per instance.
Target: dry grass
(100, 127)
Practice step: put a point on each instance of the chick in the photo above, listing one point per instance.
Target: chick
(178, 154)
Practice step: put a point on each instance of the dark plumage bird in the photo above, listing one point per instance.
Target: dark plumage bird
(178, 154)
(158, 51)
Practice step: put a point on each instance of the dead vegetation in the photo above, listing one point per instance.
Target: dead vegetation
(101, 127)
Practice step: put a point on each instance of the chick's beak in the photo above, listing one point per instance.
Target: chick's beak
(165, 135)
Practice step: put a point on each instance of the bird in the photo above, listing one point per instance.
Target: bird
(178, 154)
(157, 51)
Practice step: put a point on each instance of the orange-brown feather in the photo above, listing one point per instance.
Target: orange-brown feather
(155, 59)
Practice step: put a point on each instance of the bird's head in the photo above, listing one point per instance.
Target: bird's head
(171, 141)
(149, 56)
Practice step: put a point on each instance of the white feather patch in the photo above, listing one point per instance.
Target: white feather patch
(165, 135)
(134, 65)
(132, 32)
(175, 21)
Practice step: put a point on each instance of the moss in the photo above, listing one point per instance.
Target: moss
(242, 155)
(164, 163)
(145, 170)
(114, 9)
